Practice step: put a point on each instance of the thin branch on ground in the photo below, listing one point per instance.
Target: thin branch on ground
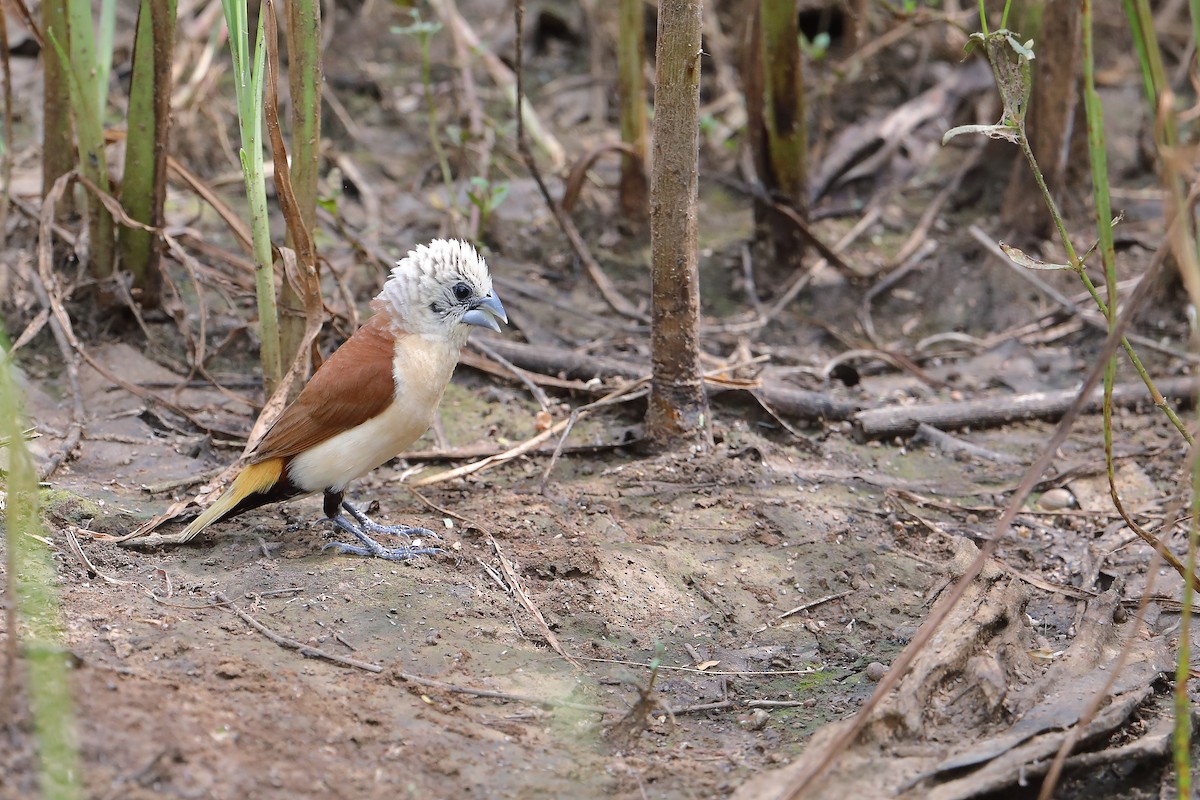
(746, 673)
(892, 420)
(521, 375)
(292, 644)
(514, 584)
(544, 702)
(814, 603)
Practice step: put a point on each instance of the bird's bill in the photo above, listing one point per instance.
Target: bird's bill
(486, 312)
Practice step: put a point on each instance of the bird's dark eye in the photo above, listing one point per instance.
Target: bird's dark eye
(462, 292)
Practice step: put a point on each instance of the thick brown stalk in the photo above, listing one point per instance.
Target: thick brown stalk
(782, 164)
(678, 409)
(631, 92)
(58, 141)
(304, 81)
(144, 184)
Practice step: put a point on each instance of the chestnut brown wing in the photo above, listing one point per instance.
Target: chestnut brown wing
(355, 384)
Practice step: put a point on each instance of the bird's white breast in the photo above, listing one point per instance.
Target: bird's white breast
(421, 369)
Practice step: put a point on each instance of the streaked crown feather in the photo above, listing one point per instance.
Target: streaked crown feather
(419, 294)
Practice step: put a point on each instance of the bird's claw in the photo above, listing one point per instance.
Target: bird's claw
(370, 548)
(398, 530)
(379, 551)
(367, 524)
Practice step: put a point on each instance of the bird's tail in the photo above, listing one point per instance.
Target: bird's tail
(257, 478)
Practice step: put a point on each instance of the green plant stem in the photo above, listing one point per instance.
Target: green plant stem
(143, 185)
(1098, 159)
(1139, 46)
(81, 65)
(1184, 246)
(1183, 237)
(31, 573)
(783, 89)
(1078, 267)
(104, 48)
(248, 81)
(1194, 9)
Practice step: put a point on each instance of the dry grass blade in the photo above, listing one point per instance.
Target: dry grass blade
(31, 330)
(34, 29)
(491, 461)
(60, 325)
(302, 278)
(503, 77)
(521, 375)
(300, 265)
(491, 366)
(624, 394)
(236, 225)
(84, 561)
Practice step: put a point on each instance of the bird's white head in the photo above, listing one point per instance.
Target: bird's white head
(440, 290)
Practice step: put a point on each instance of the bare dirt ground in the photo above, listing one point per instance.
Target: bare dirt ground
(770, 581)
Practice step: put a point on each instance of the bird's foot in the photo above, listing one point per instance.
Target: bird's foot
(361, 524)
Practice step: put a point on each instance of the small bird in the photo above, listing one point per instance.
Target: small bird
(372, 398)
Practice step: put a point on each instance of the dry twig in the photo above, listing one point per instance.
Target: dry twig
(605, 286)
(544, 702)
(292, 644)
(887, 421)
(519, 592)
(60, 326)
(814, 603)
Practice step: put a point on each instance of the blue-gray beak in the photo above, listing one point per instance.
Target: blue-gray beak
(486, 312)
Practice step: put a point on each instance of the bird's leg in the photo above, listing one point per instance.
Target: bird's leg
(359, 526)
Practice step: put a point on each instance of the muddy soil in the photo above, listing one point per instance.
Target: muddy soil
(696, 563)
